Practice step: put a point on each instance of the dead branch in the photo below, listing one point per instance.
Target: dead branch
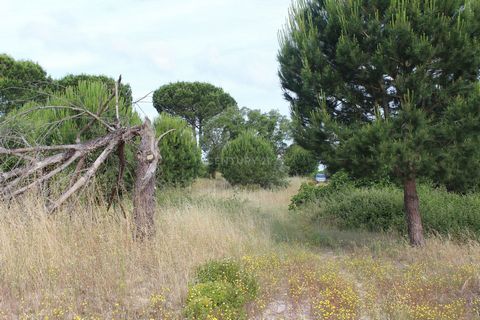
(78, 169)
(26, 172)
(117, 84)
(48, 176)
(121, 171)
(102, 108)
(163, 135)
(88, 146)
(122, 135)
(72, 153)
(138, 100)
(17, 152)
(40, 163)
(85, 178)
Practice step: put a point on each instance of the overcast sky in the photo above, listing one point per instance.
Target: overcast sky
(230, 43)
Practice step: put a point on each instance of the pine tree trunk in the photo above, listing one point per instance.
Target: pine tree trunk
(144, 203)
(200, 134)
(412, 212)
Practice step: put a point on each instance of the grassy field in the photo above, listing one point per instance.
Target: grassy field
(83, 264)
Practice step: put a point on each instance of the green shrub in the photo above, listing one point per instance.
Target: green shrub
(380, 208)
(251, 160)
(300, 162)
(445, 212)
(213, 300)
(231, 272)
(181, 157)
(308, 193)
(371, 209)
(221, 290)
(311, 192)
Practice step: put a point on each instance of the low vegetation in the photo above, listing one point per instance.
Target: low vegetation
(235, 249)
(221, 290)
(380, 208)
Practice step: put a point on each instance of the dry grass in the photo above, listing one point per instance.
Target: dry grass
(440, 281)
(83, 264)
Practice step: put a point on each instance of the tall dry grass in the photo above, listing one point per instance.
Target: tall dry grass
(82, 262)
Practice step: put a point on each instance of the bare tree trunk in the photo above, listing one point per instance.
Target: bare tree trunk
(200, 134)
(412, 212)
(144, 203)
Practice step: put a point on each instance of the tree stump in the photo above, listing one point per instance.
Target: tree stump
(144, 202)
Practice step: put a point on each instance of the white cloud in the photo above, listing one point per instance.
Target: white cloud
(60, 61)
(231, 43)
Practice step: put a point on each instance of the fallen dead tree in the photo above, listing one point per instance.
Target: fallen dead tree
(41, 163)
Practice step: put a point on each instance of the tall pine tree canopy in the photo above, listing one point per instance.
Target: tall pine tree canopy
(384, 87)
(196, 102)
(360, 61)
(72, 80)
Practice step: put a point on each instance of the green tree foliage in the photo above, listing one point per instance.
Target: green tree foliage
(73, 80)
(358, 62)
(229, 124)
(300, 162)
(181, 157)
(220, 129)
(272, 126)
(371, 84)
(251, 160)
(458, 161)
(20, 81)
(196, 102)
(31, 125)
(57, 124)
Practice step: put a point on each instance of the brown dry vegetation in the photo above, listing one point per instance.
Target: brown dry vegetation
(82, 263)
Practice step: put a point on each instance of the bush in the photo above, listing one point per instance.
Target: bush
(300, 162)
(308, 193)
(311, 192)
(372, 209)
(213, 300)
(181, 157)
(231, 272)
(380, 208)
(251, 160)
(221, 290)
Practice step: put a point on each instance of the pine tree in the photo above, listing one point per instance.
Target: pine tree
(195, 102)
(371, 82)
(181, 157)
